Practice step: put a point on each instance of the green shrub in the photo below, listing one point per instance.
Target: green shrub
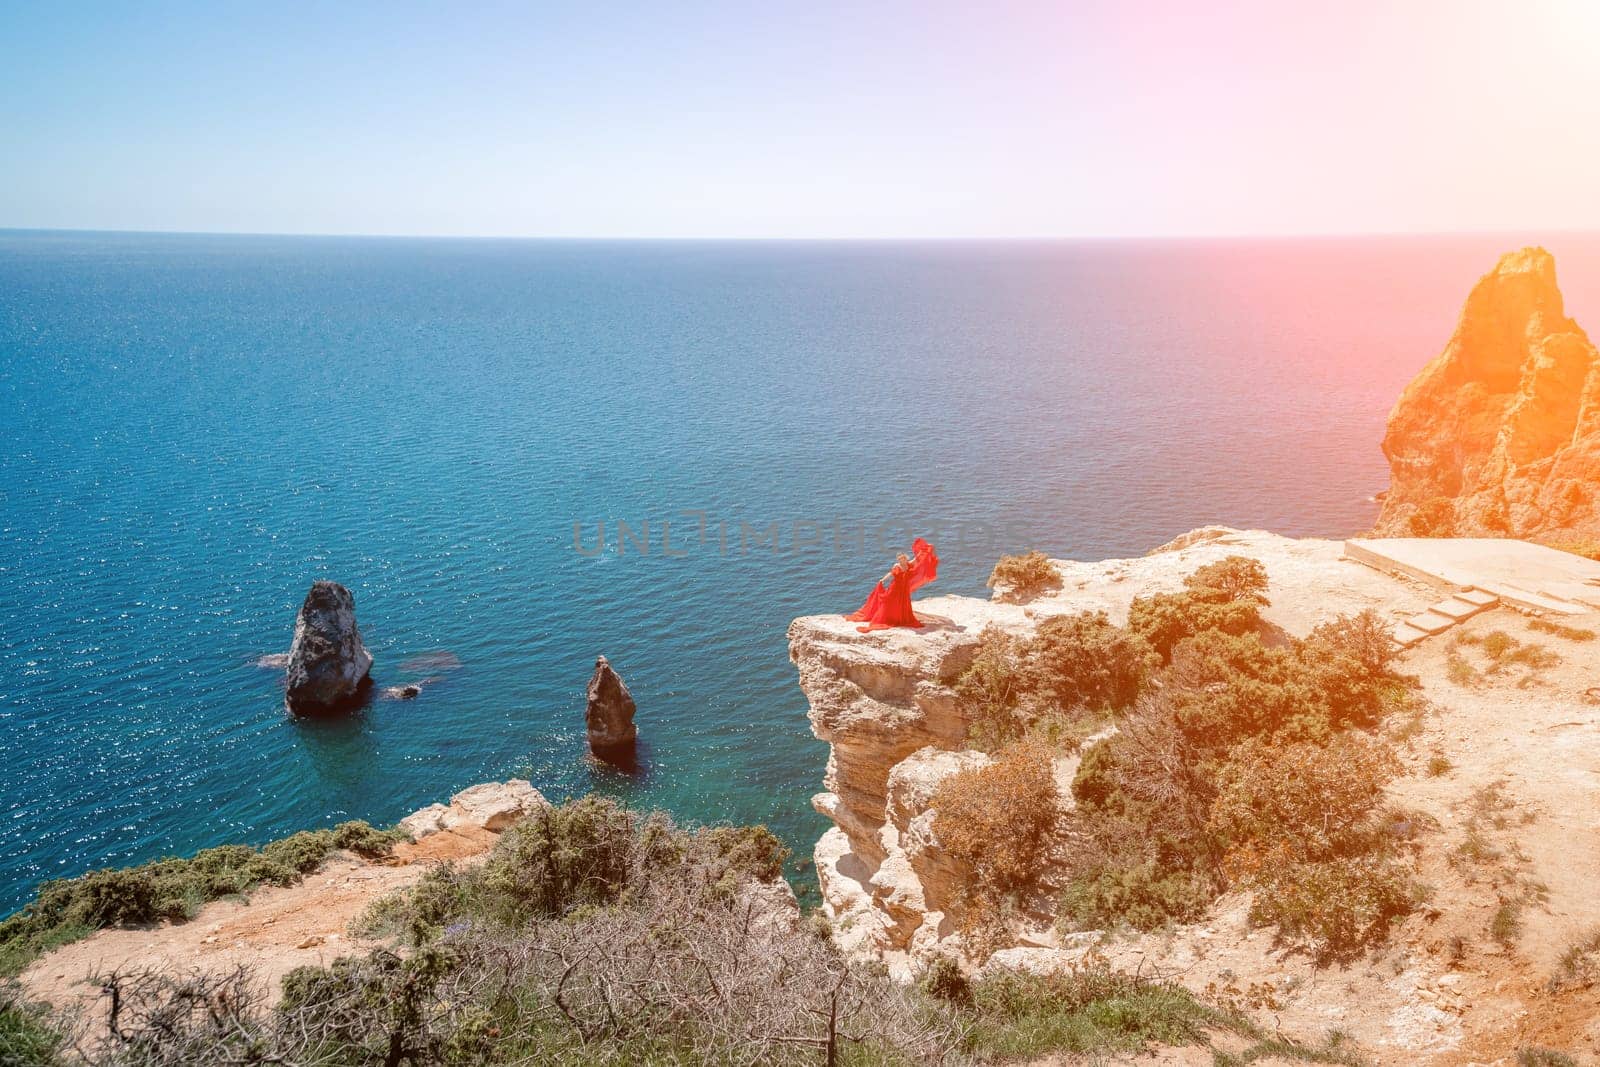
(1085, 661)
(1246, 765)
(1225, 596)
(1024, 577)
(561, 858)
(1339, 907)
(1302, 801)
(1363, 639)
(990, 692)
(572, 858)
(1142, 895)
(1058, 684)
(747, 851)
(944, 980)
(1234, 578)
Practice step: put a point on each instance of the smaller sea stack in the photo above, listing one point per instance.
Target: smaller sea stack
(329, 667)
(609, 714)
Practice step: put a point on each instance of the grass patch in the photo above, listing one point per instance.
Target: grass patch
(1439, 766)
(28, 1036)
(1506, 926)
(1502, 652)
(1459, 671)
(68, 909)
(1579, 966)
(1093, 1012)
(1534, 1056)
(1561, 630)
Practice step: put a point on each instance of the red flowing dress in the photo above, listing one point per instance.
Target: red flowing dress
(890, 605)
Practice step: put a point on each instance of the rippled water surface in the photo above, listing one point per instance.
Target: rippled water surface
(194, 428)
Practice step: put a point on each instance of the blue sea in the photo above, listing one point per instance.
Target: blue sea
(194, 428)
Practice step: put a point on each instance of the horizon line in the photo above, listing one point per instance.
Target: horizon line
(837, 239)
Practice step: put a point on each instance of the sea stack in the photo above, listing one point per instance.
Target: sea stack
(329, 667)
(609, 714)
(1500, 434)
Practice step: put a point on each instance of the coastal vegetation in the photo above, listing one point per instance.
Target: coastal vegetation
(597, 935)
(174, 889)
(1222, 762)
(1025, 576)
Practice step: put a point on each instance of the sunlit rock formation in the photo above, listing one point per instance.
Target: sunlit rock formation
(329, 667)
(608, 714)
(492, 806)
(1500, 434)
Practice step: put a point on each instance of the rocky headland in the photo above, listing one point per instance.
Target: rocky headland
(1440, 991)
(1499, 435)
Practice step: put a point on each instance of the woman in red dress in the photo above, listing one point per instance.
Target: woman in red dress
(889, 603)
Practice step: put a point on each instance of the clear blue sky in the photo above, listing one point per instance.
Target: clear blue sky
(805, 120)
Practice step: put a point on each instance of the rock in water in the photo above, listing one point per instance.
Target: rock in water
(609, 715)
(328, 664)
(1500, 434)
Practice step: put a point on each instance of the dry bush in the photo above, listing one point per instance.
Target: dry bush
(1459, 671)
(1579, 967)
(998, 821)
(592, 936)
(1365, 638)
(1023, 577)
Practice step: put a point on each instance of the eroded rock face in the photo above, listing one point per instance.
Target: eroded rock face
(1500, 434)
(609, 713)
(329, 667)
(883, 703)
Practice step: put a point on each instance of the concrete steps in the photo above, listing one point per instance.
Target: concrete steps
(1437, 618)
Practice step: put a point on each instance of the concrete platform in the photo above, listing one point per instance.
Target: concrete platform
(1407, 635)
(1430, 623)
(1520, 573)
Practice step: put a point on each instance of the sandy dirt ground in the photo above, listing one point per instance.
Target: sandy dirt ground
(276, 930)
